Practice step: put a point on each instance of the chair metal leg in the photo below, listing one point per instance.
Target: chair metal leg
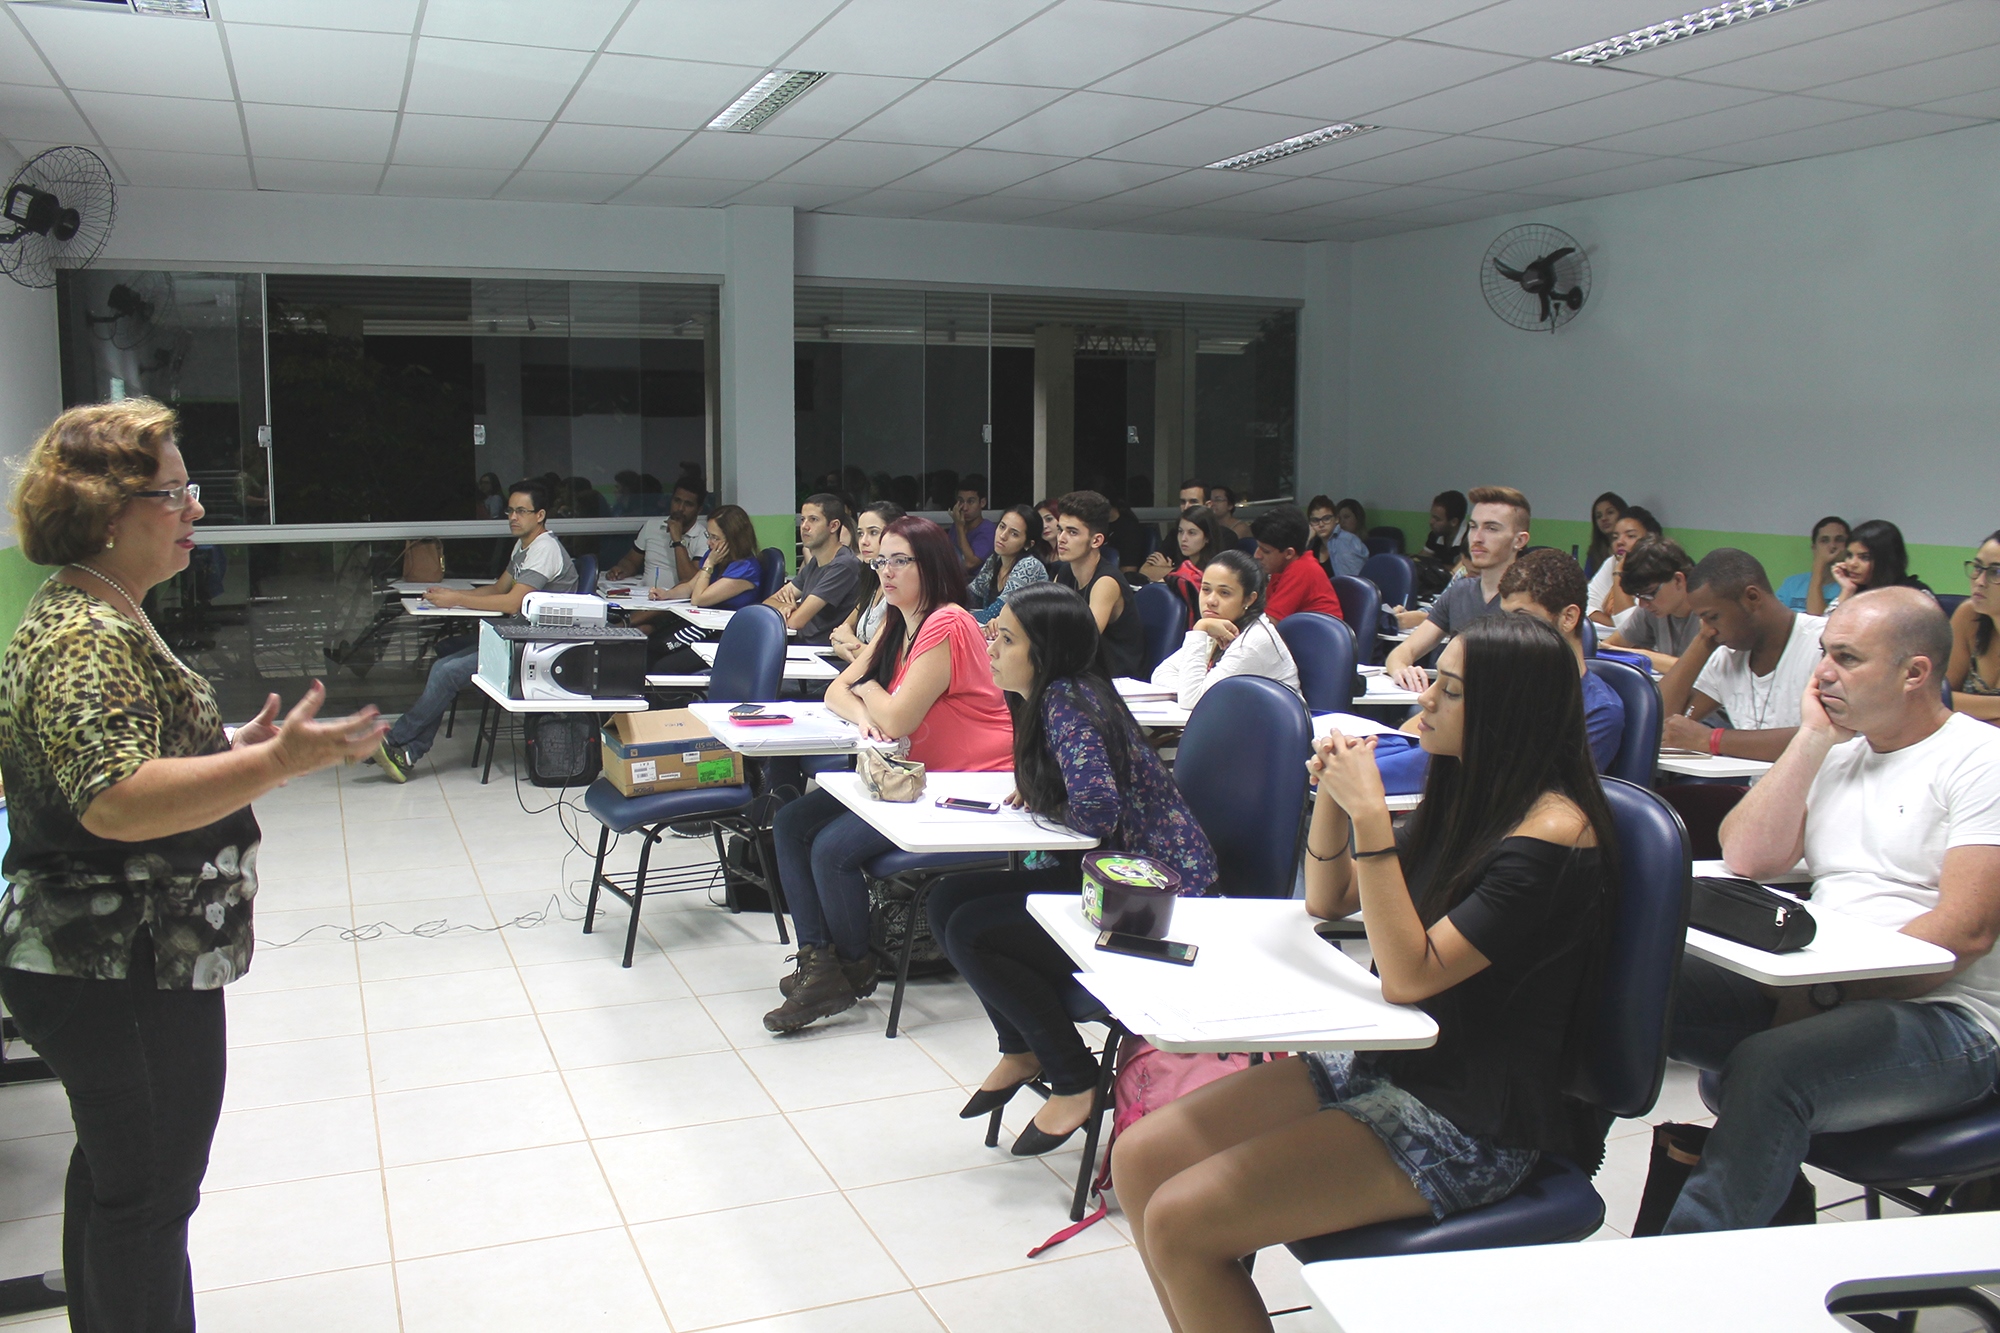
(917, 895)
(451, 718)
(767, 857)
(1107, 1073)
(487, 709)
(639, 893)
(596, 877)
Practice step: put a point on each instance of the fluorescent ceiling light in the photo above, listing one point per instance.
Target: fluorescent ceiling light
(1673, 30)
(183, 9)
(766, 98)
(1298, 143)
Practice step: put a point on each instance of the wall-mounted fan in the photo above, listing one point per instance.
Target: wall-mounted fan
(1535, 277)
(58, 211)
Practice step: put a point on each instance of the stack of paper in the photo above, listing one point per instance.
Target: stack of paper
(1131, 689)
(1349, 724)
(1189, 1007)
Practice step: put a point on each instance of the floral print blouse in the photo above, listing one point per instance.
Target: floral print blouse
(85, 699)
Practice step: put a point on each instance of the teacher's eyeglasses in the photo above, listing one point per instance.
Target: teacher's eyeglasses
(898, 562)
(177, 497)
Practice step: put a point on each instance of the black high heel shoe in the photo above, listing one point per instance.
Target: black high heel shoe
(1035, 1141)
(988, 1100)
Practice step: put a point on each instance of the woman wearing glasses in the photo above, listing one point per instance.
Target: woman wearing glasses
(133, 862)
(1974, 674)
(851, 636)
(924, 679)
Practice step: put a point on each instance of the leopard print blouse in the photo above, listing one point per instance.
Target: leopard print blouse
(85, 699)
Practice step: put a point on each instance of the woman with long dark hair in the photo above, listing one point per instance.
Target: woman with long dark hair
(1080, 760)
(1199, 537)
(1352, 516)
(1604, 512)
(924, 679)
(728, 580)
(852, 635)
(1017, 561)
(1876, 558)
(1234, 637)
(1490, 912)
(1974, 673)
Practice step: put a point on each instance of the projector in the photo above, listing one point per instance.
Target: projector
(562, 610)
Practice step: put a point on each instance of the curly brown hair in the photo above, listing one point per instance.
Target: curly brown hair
(83, 470)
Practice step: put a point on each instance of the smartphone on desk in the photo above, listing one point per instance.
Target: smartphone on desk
(1141, 946)
(968, 804)
(1341, 929)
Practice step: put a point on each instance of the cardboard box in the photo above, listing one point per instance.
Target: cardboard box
(668, 749)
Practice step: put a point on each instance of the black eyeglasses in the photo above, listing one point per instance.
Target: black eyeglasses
(1974, 572)
(177, 497)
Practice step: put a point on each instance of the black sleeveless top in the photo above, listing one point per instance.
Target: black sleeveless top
(1123, 641)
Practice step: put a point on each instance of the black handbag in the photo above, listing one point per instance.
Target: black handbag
(1747, 912)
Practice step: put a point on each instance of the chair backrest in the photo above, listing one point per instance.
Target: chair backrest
(1639, 744)
(1589, 628)
(771, 563)
(1360, 607)
(1624, 1050)
(1242, 768)
(1950, 601)
(586, 573)
(1248, 546)
(1393, 537)
(750, 659)
(1162, 622)
(1323, 648)
(1395, 574)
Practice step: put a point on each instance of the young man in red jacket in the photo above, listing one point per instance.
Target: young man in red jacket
(1298, 582)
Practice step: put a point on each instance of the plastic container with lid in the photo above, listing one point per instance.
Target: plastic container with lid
(1133, 895)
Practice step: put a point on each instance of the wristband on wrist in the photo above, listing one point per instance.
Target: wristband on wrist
(1390, 850)
(1715, 741)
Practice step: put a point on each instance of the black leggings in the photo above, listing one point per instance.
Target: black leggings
(1018, 972)
(144, 1071)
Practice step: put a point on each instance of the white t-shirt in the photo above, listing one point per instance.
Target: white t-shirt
(1764, 703)
(1258, 650)
(1599, 591)
(1878, 826)
(656, 542)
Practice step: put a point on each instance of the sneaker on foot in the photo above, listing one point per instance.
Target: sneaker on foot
(393, 762)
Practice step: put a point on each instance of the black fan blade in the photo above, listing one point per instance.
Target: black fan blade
(1512, 275)
(1552, 259)
(1545, 307)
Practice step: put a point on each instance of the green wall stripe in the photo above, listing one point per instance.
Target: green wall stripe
(18, 581)
(779, 530)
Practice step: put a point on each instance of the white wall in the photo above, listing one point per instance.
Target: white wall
(30, 376)
(1760, 348)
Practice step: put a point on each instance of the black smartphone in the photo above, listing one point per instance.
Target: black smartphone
(1140, 946)
(1346, 928)
(746, 710)
(966, 803)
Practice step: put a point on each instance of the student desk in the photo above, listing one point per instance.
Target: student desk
(703, 617)
(403, 588)
(1713, 766)
(416, 606)
(803, 665)
(814, 729)
(923, 828)
(1306, 994)
(1774, 1280)
(489, 718)
(1844, 948)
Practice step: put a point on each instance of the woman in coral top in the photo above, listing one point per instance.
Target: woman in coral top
(923, 678)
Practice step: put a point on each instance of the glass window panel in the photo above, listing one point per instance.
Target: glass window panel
(859, 393)
(955, 395)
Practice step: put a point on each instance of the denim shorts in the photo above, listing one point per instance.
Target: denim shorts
(1452, 1169)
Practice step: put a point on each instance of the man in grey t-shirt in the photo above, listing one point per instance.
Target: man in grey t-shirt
(824, 590)
(1497, 532)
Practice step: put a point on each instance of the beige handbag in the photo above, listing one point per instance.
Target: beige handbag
(886, 777)
(423, 560)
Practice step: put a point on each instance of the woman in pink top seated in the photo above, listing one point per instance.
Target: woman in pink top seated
(924, 677)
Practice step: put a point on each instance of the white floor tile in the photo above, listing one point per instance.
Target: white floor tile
(805, 1074)
(469, 1119)
(294, 1015)
(297, 1071)
(590, 1283)
(666, 1094)
(406, 844)
(399, 886)
(34, 1170)
(734, 967)
(307, 927)
(581, 1038)
(1622, 1179)
(967, 1049)
(933, 1000)
(720, 1268)
(1108, 1290)
(396, 956)
(967, 1223)
(298, 893)
(324, 961)
(458, 1053)
(31, 1245)
(289, 1230)
(904, 1312)
(435, 918)
(473, 1202)
(564, 942)
(740, 1015)
(355, 1300)
(591, 984)
(294, 1142)
(897, 1138)
(705, 1168)
(31, 1109)
(454, 997)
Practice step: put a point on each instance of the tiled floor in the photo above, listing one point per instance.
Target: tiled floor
(475, 1127)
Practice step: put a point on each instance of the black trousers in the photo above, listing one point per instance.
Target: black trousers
(144, 1071)
(1018, 972)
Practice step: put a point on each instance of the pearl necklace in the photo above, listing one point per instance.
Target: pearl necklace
(137, 610)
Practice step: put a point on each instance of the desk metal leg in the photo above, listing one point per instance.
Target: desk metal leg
(492, 738)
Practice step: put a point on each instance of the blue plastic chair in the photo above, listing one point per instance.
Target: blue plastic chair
(1624, 1052)
(1323, 649)
(771, 566)
(586, 573)
(1395, 574)
(1361, 608)
(1589, 628)
(1639, 743)
(1242, 769)
(749, 665)
(1162, 623)
(1949, 601)
(1248, 546)
(1392, 539)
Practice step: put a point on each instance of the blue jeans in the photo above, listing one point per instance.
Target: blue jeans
(457, 663)
(821, 849)
(1865, 1063)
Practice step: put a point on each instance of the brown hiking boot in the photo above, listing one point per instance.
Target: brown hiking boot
(822, 991)
(790, 983)
(862, 976)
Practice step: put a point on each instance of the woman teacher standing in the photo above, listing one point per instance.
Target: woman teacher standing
(133, 861)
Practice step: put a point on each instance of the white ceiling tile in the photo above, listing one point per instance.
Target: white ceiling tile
(1791, 27)
(1084, 181)
(465, 141)
(1397, 19)
(953, 114)
(1343, 153)
(41, 115)
(794, 194)
(1080, 41)
(312, 177)
(1209, 136)
(1864, 51)
(837, 104)
(1385, 75)
(358, 15)
(1238, 58)
(18, 61)
(319, 133)
(741, 32)
(1397, 198)
(185, 171)
(1984, 105)
(723, 155)
(1843, 136)
(1368, 231)
(444, 182)
(1538, 28)
(1638, 176)
(1697, 134)
(671, 192)
(1459, 152)
(1188, 221)
(564, 187)
(608, 149)
(980, 171)
(1524, 172)
(849, 162)
(1213, 6)
(126, 53)
(1101, 214)
(579, 25)
(1926, 82)
(1653, 102)
(485, 79)
(659, 94)
(894, 203)
(1312, 192)
(1525, 90)
(996, 208)
(1086, 123)
(1192, 189)
(313, 67)
(170, 124)
(907, 38)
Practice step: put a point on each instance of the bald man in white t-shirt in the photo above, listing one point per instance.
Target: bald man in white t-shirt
(1894, 803)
